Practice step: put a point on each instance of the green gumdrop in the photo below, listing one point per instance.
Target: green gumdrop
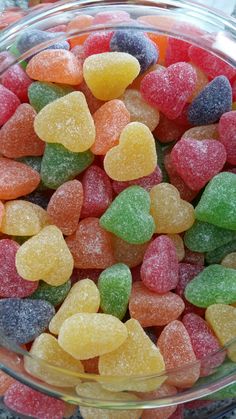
(114, 285)
(128, 216)
(60, 165)
(54, 295)
(223, 371)
(218, 202)
(14, 51)
(42, 93)
(204, 237)
(215, 284)
(217, 255)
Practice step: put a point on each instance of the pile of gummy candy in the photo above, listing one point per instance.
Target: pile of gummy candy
(118, 214)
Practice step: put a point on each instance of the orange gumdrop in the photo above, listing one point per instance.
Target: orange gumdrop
(17, 136)
(57, 66)
(77, 24)
(175, 346)
(65, 206)
(91, 246)
(202, 81)
(161, 42)
(5, 382)
(163, 412)
(109, 119)
(93, 103)
(128, 253)
(91, 365)
(16, 179)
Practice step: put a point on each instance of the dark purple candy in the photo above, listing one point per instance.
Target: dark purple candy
(212, 102)
(32, 37)
(136, 44)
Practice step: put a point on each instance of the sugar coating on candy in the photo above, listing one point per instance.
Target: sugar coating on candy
(54, 295)
(91, 245)
(195, 258)
(159, 271)
(211, 103)
(5, 382)
(146, 182)
(179, 245)
(139, 110)
(128, 216)
(108, 74)
(135, 155)
(130, 254)
(169, 90)
(177, 51)
(83, 297)
(97, 43)
(86, 335)
(32, 37)
(110, 119)
(138, 356)
(46, 348)
(8, 104)
(152, 309)
(67, 121)
(42, 93)
(229, 261)
(217, 204)
(227, 128)
(22, 320)
(188, 271)
(16, 80)
(168, 130)
(45, 256)
(216, 255)
(202, 132)
(171, 213)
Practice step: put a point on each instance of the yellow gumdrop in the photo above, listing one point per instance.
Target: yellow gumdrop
(134, 157)
(229, 261)
(179, 245)
(45, 256)
(138, 356)
(47, 349)
(95, 391)
(139, 110)
(171, 213)
(86, 335)
(23, 218)
(222, 320)
(83, 297)
(107, 75)
(67, 121)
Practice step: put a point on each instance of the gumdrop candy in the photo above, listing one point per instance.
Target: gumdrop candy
(114, 285)
(136, 44)
(32, 161)
(202, 81)
(130, 254)
(218, 254)
(134, 157)
(46, 348)
(110, 119)
(5, 382)
(168, 130)
(54, 295)
(128, 216)
(187, 272)
(22, 320)
(26, 401)
(211, 103)
(139, 110)
(197, 162)
(16, 179)
(86, 335)
(169, 90)
(159, 271)
(202, 132)
(32, 37)
(83, 298)
(165, 390)
(194, 258)
(16, 80)
(176, 348)
(171, 213)
(45, 256)
(152, 309)
(178, 413)
(119, 16)
(217, 203)
(227, 127)
(107, 75)
(177, 51)
(229, 261)
(67, 121)
(97, 43)
(91, 365)
(79, 23)
(9, 102)
(179, 245)
(11, 284)
(42, 93)
(91, 245)
(65, 205)
(138, 356)
(60, 165)
(146, 182)
(93, 103)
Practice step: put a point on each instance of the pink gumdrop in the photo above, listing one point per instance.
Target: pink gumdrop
(11, 283)
(92, 274)
(97, 43)
(177, 51)
(97, 192)
(146, 182)
(26, 401)
(6, 59)
(227, 131)
(104, 17)
(197, 162)
(9, 102)
(169, 90)
(186, 273)
(78, 52)
(58, 28)
(16, 80)
(159, 271)
(194, 258)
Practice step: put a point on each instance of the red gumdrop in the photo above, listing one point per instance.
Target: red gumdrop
(136, 273)
(159, 271)
(234, 90)
(92, 274)
(182, 119)
(93, 103)
(16, 80)
(169, 90)
(97, 192)
(197, 162)
(168, 130)
(26, 401)
(227, 131)
(97, 43)
(204, 342)
(186, 273)
(179, 413)
(11, 283)
(9, 102)
(177, 51)
(104, 17)
(194, 258)
(196, 404)
(146, 182)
